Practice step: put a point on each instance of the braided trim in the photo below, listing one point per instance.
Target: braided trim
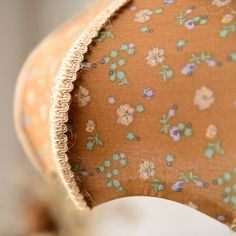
(61, 98)
(233, 225)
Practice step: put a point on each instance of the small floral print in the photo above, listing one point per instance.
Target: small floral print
(181, 44)
(185, 179)
(166, 72)
(211, 131)
(214, 148)
(168, 2)
(178, 186)
(155, 57)
(181, 18)
(132, 137)
(90, 126)
(143, 15)
(94, 140)
(146, 170)
(229, 193)
(176, 132)
(204, 98)
(197, 60)
(83, 97)
(111, 100)
(148, 93)
(116, 73)
(221, 218)
(227, 18)
(220, 3)
(231, 57)
(146, 29)
(190, 24)
(111, 169)
(157, 185)
(103, 35)
(125, 114)
(133, 8)
(140, 108)
(203, 57)
(227, 30)
(170, 159)
(189, 69)
(77, 168)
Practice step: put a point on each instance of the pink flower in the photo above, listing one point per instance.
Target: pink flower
(143, 15)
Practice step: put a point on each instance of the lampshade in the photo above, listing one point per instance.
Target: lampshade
(137, 98)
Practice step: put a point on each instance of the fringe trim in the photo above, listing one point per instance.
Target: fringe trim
(61, 98)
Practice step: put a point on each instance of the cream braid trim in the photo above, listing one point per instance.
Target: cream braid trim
(61, 98)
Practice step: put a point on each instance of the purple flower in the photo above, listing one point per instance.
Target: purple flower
(178, 186)
(168, 1)
(148, 93)
(175, 134)
(189, 69)
(221, 218)
(190, 24)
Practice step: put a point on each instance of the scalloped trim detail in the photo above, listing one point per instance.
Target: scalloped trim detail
(61, 97)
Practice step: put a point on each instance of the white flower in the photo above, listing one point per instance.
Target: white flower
(125, 114)
(143, 15)
(146, 170)
(220, 3)
(227, 18)
(90, 126)
(155, 56)
(203, 98)
(211, 131)
(83, 96)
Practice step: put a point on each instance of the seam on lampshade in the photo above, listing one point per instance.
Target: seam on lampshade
(61, 97)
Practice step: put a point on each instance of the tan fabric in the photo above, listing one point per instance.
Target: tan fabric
(153, 109)
(33, 92)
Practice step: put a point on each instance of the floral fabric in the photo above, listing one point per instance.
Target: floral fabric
(153, 110)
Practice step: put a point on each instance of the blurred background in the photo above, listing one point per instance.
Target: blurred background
(29, 202)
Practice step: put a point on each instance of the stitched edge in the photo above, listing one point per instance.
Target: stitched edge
(61, 98)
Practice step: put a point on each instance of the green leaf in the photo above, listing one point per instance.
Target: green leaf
(109, 183)
(116, 157)
(139, 108)
(107, 163)
(101, 169)
(116, 183)
(123, 162)
(115, 171)
(109, 175)
(131, 136)
(90, 145)
(209, 153)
